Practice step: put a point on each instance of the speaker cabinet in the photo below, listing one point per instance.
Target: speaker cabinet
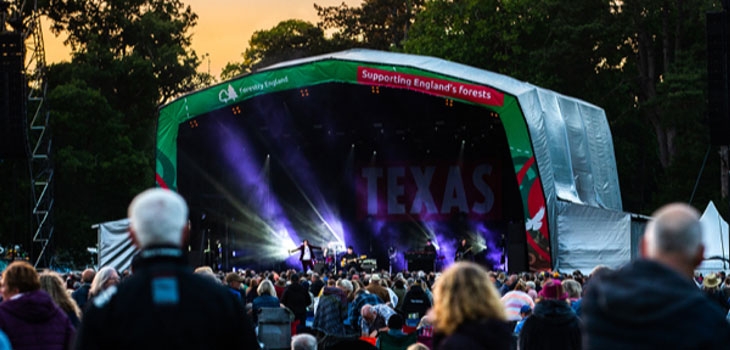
(13, 124)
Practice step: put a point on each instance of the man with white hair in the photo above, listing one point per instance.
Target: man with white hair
(653, 303)
(303, 342)
(164, 305)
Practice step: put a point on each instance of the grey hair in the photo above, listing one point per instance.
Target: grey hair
(266, 287)
(573, 288)
(303, 342)
(158, 216)
(102, 276)
(676, 228)
(344, 283)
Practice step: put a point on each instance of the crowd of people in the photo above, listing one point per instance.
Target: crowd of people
(656, 301)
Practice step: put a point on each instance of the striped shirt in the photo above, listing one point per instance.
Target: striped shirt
(513, 302)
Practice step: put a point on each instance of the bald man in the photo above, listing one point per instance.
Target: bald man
(375, 318)
(653, 303)
(81, 295)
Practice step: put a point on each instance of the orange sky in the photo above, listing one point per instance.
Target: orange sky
(225, 26)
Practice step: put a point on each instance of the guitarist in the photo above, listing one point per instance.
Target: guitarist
(307, 255)
(350, 260)
(464, 251)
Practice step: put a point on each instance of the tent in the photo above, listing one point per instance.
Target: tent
(561, 148)
(115, 247)
(715, 239)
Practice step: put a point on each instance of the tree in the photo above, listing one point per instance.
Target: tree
(377, 24)
(157, 31)
(658, 33)
(288, 40)
(643, 61)
(548, 43)
(98, 166)
(128, 57)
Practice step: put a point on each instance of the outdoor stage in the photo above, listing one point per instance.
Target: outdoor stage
(383, 151)
(375, 168)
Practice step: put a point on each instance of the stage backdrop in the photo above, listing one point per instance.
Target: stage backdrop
(561, 147)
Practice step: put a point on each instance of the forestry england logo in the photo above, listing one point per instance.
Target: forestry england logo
(227, 95)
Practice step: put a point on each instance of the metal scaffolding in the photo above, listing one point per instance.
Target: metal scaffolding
(23, 16)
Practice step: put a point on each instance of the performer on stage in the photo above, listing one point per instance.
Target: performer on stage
(464, 251)
(350, 260)
(429, 248)
(307, 254)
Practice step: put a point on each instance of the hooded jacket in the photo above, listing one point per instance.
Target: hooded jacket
(552, 325)
(648, 305)
(33, 321)
(416, 301)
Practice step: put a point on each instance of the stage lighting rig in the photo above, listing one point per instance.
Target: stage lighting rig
(23, 66)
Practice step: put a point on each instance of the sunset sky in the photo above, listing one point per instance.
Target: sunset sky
(225, 26)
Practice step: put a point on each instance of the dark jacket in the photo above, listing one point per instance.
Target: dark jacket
(646, 305)
(251, 294)
(483, 334)
(331, 312)
(416, 301)
(718, 296)
(300, 248)
(81, 295)
(552, 325)
(296, 297)
(316, 287)
(33, 321)
(164, 305)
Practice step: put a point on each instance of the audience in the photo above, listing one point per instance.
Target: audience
(575, 293)
(296, 297)
(52, 284)
(233, 282)
(81, 295)
(711, 287)
(653, 302)
(515, 299)
(331, 311)
(375, 318)
(416, 301)
(28, 315)
(467, 310)
(394, 334)
(553, 324)
(649, 303)
(267, 298)
(303, 342)
(164, 305)
(207, 272)
(105, 278)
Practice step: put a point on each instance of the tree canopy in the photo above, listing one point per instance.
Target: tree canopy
(128, 57)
